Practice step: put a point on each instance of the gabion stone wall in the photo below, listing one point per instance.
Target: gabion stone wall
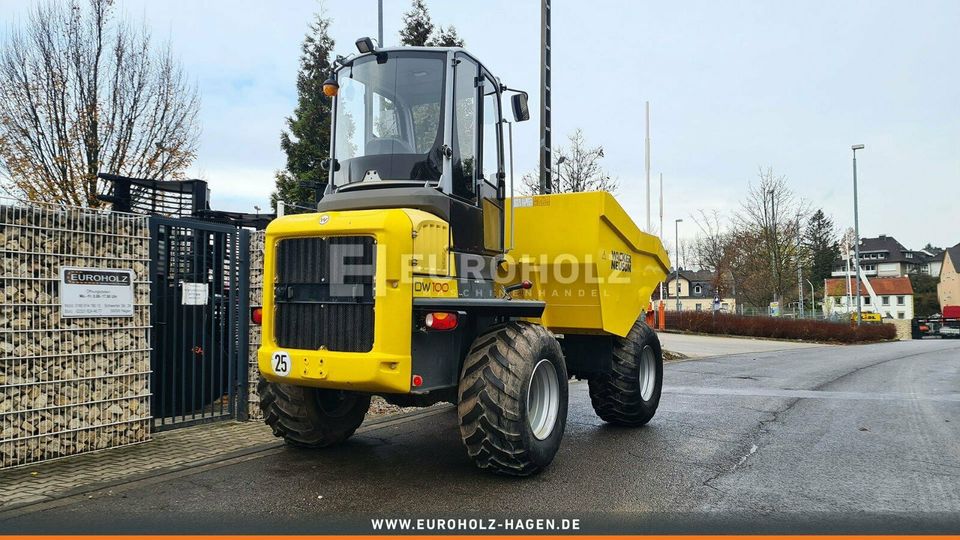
(256, 300)
(69, 385)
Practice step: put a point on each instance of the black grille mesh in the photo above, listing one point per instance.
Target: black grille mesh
(339, 323)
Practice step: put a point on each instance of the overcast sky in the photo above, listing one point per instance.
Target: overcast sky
(732, 85)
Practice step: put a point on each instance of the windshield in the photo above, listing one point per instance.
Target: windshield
(388, 119)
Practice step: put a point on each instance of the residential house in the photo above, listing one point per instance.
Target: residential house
(948, 290)
(936, 262)
(697, 291)
(883, 256)
(893, 297)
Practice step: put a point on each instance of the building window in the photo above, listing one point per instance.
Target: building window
(900, 300)
(886, 300)
(900, 315)
(697, 289)
(866, 300)
(699, 307)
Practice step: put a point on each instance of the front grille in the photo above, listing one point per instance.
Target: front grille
(339, 327)
(324, 293)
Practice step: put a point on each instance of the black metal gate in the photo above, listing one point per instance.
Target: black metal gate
(200, 306)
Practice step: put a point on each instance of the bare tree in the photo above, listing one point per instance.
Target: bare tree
(713, 249)
(82, 93)
(767, 239)
(711, 246)
(576, 168)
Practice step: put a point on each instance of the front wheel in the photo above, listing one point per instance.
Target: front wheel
(630, 393)
(311, 417)
(513, 399)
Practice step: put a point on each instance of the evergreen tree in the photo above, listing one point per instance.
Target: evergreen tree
(446, 37)
(418, 29)
(820, 239)
(307, 142)
(925, 299)
(417, 26)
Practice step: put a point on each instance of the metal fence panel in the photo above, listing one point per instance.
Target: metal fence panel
(69, 386)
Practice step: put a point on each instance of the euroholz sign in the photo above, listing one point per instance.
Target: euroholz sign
(95, 292)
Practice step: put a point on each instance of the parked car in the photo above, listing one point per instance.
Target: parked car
(944, 325)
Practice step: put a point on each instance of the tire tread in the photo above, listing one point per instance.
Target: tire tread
(490, 389)
(616, 397)
(292, 415)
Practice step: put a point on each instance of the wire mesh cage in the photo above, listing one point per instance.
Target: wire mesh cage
(69, 385)
(256, 300)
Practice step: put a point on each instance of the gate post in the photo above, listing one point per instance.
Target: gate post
(243, 332)
(153, 226)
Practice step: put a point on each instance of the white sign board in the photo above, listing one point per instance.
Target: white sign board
(96, 292)
(194, 294)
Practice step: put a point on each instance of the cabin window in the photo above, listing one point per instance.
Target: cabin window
(465, 129)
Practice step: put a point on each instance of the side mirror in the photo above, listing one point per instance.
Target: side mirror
(328, 163)
(521, 110)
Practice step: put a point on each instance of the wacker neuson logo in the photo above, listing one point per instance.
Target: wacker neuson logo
(96, 277)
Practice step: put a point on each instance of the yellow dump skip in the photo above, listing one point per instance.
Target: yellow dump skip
(587, 259)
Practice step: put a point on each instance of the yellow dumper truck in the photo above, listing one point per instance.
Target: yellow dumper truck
(420, 280)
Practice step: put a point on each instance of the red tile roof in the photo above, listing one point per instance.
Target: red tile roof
(882, 286)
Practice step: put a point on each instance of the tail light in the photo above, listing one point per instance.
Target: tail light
(256, 315)
(441, 320)
(924, 328)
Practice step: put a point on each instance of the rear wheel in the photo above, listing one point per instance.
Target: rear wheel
(311, 417)
(630, 393)
(513, 399)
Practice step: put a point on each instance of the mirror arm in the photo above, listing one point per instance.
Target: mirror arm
(510, 137)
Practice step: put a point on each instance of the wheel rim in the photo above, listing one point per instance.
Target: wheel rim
(335, 403)
(648, 373)
(543, 399)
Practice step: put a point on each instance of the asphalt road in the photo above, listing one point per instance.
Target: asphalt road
(826, 439)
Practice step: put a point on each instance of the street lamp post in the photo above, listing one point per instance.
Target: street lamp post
(799, 271)
(676, 249)
(555, 175)
(660, 232)
(813, 302)
(772, 240)
(856, 228)
(380, 23)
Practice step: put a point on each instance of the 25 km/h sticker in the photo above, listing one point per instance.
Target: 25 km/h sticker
(281, 363)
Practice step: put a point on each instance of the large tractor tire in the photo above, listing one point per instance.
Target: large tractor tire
(513, 399)
(630, 393)
(311, 417)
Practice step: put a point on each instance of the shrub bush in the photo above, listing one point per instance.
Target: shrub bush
(778, 327)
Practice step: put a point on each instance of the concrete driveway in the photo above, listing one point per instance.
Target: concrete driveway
(699, 346)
